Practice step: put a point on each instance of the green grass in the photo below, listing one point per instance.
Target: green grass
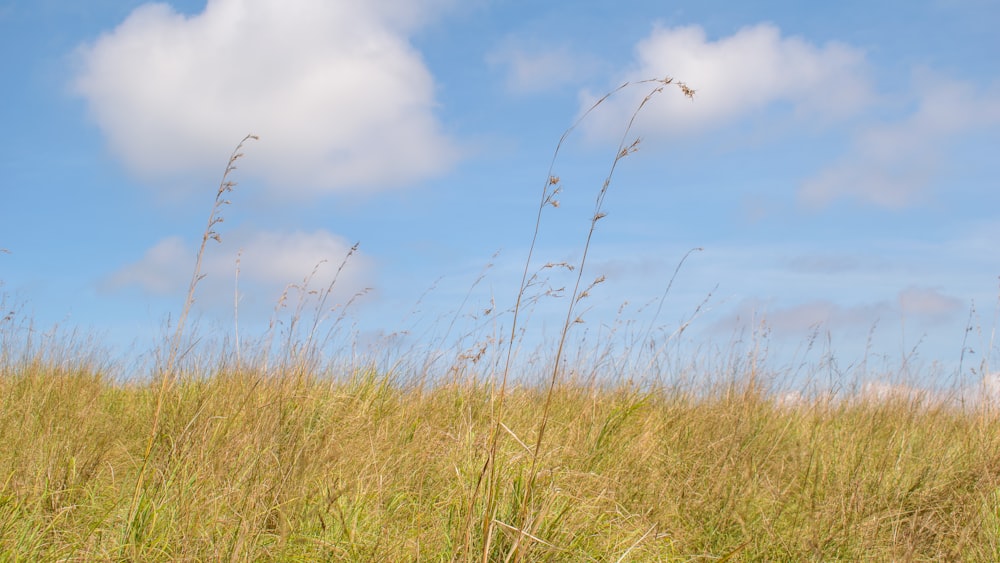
(362, 467)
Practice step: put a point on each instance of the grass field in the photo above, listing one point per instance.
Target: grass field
(248, 454)
(365, 466)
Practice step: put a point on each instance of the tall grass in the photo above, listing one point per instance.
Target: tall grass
(365, 466)
(167, 375)
(239, 455)
(550, 191)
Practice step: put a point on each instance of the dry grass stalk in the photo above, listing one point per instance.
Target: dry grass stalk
(550, 190)
(167, 374)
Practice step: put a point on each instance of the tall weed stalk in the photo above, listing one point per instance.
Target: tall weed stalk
(550, 189)
(167, 374)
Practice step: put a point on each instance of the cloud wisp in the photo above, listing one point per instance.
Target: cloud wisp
(918, 303)
(535, 69)
(268, 263)
(894, 164)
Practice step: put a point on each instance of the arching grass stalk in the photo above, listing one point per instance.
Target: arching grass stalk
(550, 189)
(625, 148)
(167, 375)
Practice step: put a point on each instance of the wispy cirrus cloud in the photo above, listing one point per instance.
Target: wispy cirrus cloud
(269, 261)
(928, 302)
(920, 303)
(894, 164)
(532, 68)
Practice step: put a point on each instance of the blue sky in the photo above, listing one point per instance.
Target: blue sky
(837, 165)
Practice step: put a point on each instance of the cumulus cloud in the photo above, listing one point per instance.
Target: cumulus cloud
(340, 98)
(894, 164)
(735, 76)
(269, 262)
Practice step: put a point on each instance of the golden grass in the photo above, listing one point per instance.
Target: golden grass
(362, 467)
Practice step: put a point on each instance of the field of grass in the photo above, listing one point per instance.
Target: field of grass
(245, 455)
(363, 466)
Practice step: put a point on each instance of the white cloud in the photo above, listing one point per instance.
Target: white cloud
(990, 390)
(883, 392)
(269, 262)
(340, 98)
(983, 393)
(159, 272)
(799, 319)
(736, 76)
(894, 165)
